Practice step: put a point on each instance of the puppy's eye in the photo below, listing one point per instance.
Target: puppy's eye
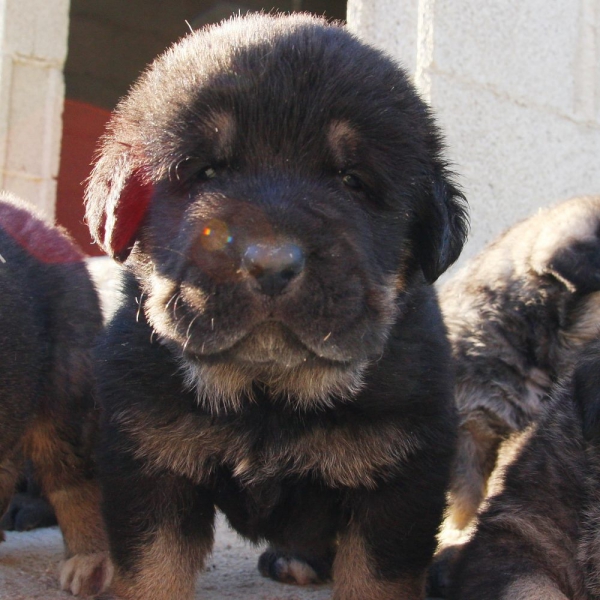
(193, 169)
(207, 173)
(351, 181)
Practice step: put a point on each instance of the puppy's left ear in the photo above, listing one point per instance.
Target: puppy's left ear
(442, 227)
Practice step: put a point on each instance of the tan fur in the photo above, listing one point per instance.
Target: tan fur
(76, 502)
(296, 376)
(480, 446)
(343, 456)
(354, 578)
(466, 499)
(78, 513)
(167, 570)
(342, 139)
(224, 129)
(221, 387)
(475, 459)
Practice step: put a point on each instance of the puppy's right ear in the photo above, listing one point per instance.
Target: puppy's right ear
(116, 200)
(442, 226)
(578, 265)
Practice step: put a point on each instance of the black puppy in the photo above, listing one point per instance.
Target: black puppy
(49, 319)
(277, 190)
(539, 536)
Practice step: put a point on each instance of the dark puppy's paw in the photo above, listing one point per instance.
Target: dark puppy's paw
(27, 511)
(286, 567)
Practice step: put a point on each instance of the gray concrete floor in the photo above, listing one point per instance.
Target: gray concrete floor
(29, 564)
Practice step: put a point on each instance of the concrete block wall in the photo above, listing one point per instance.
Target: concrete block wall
(33, 50)
(515, 85)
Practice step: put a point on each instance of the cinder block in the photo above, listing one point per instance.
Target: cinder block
(52, 30)
(511, 157)
(5, 87)
(391, 26)
(38, 192)
(526, 49)
(37, 29)
(34, 120)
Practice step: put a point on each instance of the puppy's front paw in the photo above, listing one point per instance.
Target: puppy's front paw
(290, 568)
(86, 574)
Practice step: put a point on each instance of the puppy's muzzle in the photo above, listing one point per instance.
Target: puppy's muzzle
(273, 266)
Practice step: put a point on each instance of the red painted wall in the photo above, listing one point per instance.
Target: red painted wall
(83, 124)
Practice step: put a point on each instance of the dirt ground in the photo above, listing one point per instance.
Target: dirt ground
(29, 570)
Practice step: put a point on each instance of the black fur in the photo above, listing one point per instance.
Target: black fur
(28, 509)
(277, 190)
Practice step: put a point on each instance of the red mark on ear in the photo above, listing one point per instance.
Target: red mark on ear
(39, 239)
(122, 225)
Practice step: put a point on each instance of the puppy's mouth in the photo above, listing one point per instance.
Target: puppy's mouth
(271, 344)
(273, 356)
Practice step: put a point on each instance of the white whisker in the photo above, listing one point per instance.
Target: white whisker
(139, 303)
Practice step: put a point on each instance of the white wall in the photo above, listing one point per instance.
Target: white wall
(33, 36)
(515, 85)
(516, 88)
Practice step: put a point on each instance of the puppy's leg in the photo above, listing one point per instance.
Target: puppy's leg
(476, 457)
(303, 537)
(66, 477)
(526, 541)
(356, 574)
(164, 567)
(384, 551)
(9, 474)
(160, 529)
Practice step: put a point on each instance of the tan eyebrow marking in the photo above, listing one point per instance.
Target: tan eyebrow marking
(223, 130)
(342, 140)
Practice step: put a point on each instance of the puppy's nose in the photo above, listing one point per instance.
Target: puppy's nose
(273, 266)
